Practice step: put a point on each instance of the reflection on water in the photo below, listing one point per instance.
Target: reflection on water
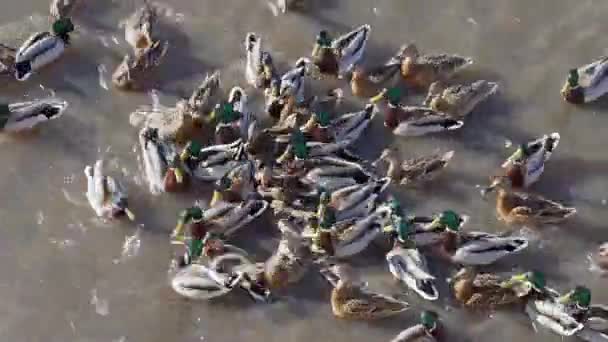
(60, 279)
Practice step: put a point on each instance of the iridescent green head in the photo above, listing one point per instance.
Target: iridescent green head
(450, 220)
(581, 296)
(298, 140)
(393, 95)
(395, 207)
(536, 279)
(192, 214)
(194, 148)
(323, 39)
(62, 27)
(403, 228)
(429, 320)
(573, 78)
(322, 118)
(227, 113)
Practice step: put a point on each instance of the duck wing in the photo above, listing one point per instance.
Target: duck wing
(422, 167)
(592, 74)
(444, 63)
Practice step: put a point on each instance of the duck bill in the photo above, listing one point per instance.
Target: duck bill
(130, 214)
(217, 197)
(184, 155)
(177, 231)
(377, 98)
(377, 162)
(179, 175)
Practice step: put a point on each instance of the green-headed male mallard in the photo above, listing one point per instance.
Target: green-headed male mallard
(587, 83)
(559, 315)
(593, 316)
(346, 127)
(211, 163)
(21, 116)
(42, 48)
(412, 120)
(351, 301)
(259, 68)
(428, 330)
(105, 194)
(458, 100)
(414, 170)
(336, 57)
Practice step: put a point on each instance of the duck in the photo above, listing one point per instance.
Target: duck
(427, 330)
(237, 184)
(336, 57)
(408, 265)
(211, 163)
(488, 291)
(211, 246)
(233, 118)
(594, 317)
(525, 166)
(259, 68)
(420, 71)
(106, 195)
(515, 207)
(42, 48)
(412, 120)
(587, 83)
(178, 124)
(351, 301)
(365, 83)
(141, 27)
(347, 127)
(201, 100)
(599, 259)
(163, 170)
(7, 60)
(299, 147)
(131, 72)
(414, 170)
(548, 312)
(291, 260)
(228, 217)
(356, 200)
(60, 9)
(23, 116)
(458, 100)
(293, 82)
(199, 282)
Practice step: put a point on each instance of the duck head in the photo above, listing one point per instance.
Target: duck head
(324, 40)
(572, 91)
(187, 216)
(346, 274)
(580, 296)
(129, 73)
(501, 182)
(387, 155)
(450, 221)
(62, 28)
(429, 320)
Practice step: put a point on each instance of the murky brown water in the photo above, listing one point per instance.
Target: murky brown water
(63, 276)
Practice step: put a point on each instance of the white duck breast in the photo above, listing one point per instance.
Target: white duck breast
(38, 51)
(552, 316)
(253, 48)
(155, 157)
(409, 266)
(594, 79)
(351, 47)
(26, 115)
(487, 250)
(200, 283)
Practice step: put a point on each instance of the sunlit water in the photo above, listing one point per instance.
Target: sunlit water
(68, 276)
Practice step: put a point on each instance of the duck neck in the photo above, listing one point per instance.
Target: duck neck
(391, 118)
(502, 204)
(394, 168)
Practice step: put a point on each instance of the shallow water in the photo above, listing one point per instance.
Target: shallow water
(66, 277)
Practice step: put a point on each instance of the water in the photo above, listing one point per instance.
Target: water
(61, 281)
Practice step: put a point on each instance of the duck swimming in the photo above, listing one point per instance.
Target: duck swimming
(259, 68)
(351, 301)
(201, 100)
(420, 71)
(458, 100)
(131, 72)
(428, 330)
(140, 27)
(211, 163)
(233, 118)
(106, 195)
(335, 57)
(587, 83)
(525, 166)
(487, 291)
(366, 83)
(594, 317)
(415, 170)
(555, 314)
(347, 127)
(42, 48)
(293, 81)
(163, 170)
(178, 124)
(22, 116)
(412, 120)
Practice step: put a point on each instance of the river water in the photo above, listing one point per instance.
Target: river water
(66, 276)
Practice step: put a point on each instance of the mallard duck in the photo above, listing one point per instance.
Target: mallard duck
(587, 83)
(200, 282)
(7, 60)
(525, 208)
(412, 120)
(106, 195)
(290, 261)
(458, 100)
(131, 71)
(553, 315)
(419, 72)
(347, 127)
(140, 27)
(239, 181)
(42, 48)
(600, 257)
(357, 200)
(259, 68)
(200, 101)
(210, 247)
(16, 117)
(407, 264)
(414, 170)
(525, 166)
(594, 317)
(293, 81)
(351, 301)
(234, 117)
(63, 8)
(479, 248)
(483, 291)
(164, 171)
(213, 162)
(178, 124)
(336, 57)
(365, 83)
(428, 330)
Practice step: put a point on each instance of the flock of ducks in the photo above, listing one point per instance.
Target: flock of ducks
(330, 203)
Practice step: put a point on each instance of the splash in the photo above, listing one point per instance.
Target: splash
(102, 306)
(131, 246)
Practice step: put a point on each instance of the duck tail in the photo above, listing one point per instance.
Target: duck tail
(23, 70)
